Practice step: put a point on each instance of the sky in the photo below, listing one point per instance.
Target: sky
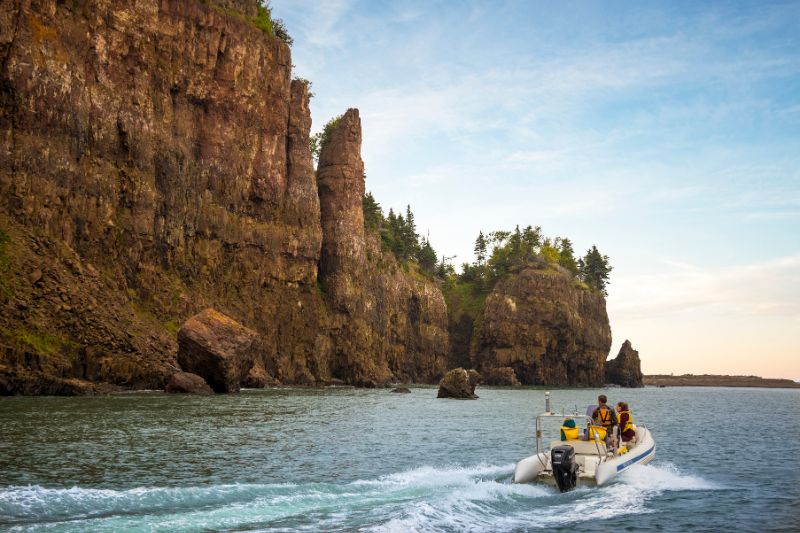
(666, 133)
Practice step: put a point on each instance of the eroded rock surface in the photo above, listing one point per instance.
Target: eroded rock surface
(154, 161)
(502, 376)
(626, 369)
(385, 325)
(460, 384)
(216, 347)
(539, 323)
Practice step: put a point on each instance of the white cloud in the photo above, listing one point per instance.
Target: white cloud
(317, 23)
(768, 288)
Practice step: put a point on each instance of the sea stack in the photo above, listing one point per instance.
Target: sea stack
(626, 369)
(459, 384)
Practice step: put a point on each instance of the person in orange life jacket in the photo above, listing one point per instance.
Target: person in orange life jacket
(625, 422)
(605, 416)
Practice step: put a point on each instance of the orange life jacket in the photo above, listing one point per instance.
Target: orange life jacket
(604, 416)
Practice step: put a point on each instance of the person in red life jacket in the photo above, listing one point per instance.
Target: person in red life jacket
(625, 422)
(605, 416)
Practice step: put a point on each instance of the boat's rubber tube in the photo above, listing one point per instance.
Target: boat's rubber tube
(642, 453)
(530, 467)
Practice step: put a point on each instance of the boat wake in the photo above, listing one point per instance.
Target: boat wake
(423, 499)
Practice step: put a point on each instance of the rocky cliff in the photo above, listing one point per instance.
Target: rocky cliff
(385, 322)
(154, 161)
(626, 369)
(541, 324)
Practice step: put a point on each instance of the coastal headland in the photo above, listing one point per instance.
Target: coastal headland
(711, 380)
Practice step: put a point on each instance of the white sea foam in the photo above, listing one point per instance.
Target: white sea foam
(664, 477)
(457, 498)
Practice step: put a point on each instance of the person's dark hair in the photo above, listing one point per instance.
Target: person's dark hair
(623, 406)
(602, 398)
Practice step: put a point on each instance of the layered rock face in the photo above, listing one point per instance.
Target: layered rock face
(549, 331)
(154, 161)
(165, 144)
(385, 324)
(626, 369)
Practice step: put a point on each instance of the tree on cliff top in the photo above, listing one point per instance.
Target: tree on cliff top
(317, 141)
(480, 249)
(426, 257)
(594, 269)
(516, 248)
(399, 234)
(566, 255)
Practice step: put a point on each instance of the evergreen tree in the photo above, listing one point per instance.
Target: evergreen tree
(515, 243)
(426, 257)
(373, 215)
(480, 249)
(595, 270)
(566, 256)
(532, 240)
(409, 233)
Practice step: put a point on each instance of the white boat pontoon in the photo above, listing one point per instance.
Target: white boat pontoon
(577, 461)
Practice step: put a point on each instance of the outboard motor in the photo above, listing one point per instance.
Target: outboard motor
(565, 469)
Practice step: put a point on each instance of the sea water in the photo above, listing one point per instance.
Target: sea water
(369, 460)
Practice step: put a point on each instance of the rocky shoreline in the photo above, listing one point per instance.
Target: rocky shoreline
(712, 380)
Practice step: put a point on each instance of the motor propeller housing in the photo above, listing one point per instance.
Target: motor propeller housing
(565, 468)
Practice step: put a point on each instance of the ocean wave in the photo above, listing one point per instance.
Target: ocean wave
(427, 498)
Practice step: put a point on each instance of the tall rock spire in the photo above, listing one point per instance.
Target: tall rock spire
(340, 179)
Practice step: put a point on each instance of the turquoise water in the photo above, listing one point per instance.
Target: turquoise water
(369, 460)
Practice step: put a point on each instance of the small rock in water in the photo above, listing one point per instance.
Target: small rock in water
(460, 384)
(401, 390)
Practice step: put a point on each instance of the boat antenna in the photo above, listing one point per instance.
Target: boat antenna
(547, 402)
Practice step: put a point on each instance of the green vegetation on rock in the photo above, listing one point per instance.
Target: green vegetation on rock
(399, 235)
(501, 252)
(321, 138)
(39, 342)
(269, 25)
(528, 247)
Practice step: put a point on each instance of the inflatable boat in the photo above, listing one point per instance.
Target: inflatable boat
(581, 456)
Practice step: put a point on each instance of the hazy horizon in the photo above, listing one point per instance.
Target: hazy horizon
(665, 133)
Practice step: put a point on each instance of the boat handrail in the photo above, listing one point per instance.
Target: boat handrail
(587, 419)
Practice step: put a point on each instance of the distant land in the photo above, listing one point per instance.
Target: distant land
(711, 380)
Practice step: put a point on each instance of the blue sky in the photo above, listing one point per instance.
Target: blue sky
(668, 134)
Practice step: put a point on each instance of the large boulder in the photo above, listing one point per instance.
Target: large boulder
(626, 369)
(186, 382)
(459, 383)
(217, 348)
